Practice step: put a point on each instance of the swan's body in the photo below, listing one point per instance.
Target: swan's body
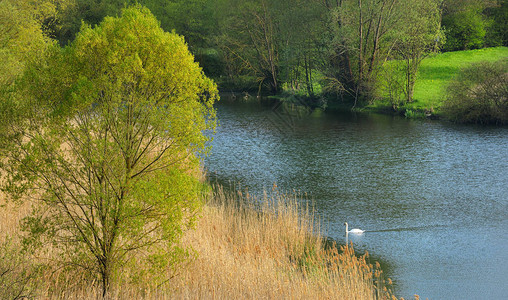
(354, 231)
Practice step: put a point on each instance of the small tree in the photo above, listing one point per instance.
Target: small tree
(393, 83)
(105, 141)
(420, 35)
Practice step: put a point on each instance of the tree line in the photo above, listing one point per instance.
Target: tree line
(310, 47)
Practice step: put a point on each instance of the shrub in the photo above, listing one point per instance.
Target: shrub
(479, 94)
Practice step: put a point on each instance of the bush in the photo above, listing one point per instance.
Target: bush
(479, 94)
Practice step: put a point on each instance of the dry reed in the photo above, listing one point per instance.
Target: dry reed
(244, 248)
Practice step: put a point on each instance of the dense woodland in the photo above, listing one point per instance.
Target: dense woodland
(315, 47)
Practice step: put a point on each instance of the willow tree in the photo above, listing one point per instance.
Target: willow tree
(106, 142)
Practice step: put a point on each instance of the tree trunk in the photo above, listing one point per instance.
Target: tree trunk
(106, 277)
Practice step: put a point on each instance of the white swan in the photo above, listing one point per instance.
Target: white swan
(354, 231)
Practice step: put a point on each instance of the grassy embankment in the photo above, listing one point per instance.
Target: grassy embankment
(435, 74)
(242, 251)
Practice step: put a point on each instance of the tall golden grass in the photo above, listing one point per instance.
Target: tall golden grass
(243, 248)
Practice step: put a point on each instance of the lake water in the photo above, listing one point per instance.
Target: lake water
(432, 196)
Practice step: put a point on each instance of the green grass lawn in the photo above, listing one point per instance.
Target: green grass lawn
(436, 72)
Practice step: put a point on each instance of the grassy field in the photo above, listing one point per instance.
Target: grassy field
(241, 250)
(436, 72)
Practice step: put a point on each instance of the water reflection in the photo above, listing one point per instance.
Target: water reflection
(407, 228)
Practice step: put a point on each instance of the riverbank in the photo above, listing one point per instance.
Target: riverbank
(434, 75)
(240, 248)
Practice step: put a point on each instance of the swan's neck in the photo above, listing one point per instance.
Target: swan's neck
(347, 228)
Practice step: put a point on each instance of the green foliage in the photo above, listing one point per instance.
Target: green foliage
(192, 19)
(497, 33)
(308, 47)
(105, 137)
(275, 42)
(22, 39)
(413, 114)
(301, 27)
(392, 83)
(479, 94)
(465, 29)
(250, 41)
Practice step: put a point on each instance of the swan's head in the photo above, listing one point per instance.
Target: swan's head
(345, 223)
